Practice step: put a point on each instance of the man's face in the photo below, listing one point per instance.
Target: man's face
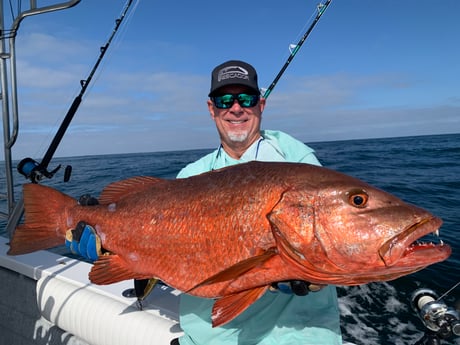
(238, 127)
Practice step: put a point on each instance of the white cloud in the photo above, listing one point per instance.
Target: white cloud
(135, 102)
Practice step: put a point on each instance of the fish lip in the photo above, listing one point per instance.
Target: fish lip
(401, 245)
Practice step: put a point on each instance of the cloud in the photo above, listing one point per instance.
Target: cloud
(142, 112)
(138, 107)
(337, 107)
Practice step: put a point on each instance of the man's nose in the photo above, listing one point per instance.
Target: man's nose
(236, 106)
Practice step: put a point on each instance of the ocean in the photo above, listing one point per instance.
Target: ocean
(423, 170)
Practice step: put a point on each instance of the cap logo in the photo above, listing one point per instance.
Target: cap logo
(232, 72)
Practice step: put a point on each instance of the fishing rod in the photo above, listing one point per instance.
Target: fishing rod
(35, 171)
(321, 8)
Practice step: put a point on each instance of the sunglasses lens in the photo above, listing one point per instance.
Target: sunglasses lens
(226, 101)
(247, 101)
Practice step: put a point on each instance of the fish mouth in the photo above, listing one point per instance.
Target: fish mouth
(407, 250)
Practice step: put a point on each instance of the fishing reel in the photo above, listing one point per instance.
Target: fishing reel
(34, 171)
(441, 321)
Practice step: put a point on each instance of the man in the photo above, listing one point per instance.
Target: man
(278, 317)
(288, 314)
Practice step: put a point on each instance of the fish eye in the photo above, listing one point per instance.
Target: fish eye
(358, 199)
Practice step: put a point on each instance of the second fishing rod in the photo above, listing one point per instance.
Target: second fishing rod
(321, 8)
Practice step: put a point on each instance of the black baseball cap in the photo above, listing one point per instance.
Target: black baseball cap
(234, 72)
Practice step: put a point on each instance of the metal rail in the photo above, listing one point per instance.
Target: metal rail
(31, 169)
(8, 95)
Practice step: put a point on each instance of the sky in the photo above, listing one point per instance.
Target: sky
(369, 69)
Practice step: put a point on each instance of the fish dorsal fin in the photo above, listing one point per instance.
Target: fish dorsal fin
(116, 190)
(238, 269)
(109, 269)
(227, 308)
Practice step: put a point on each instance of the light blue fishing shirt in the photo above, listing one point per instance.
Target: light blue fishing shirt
(276, 318)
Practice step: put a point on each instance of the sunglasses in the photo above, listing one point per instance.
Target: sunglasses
(227, 101)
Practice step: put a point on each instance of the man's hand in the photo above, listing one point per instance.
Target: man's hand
(297, 287)
(84, 241)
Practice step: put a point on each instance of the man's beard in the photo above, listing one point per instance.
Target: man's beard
(238, 136)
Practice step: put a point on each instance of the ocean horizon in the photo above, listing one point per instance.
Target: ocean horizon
(422, 170)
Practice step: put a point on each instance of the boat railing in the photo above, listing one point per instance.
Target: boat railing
(11, 211)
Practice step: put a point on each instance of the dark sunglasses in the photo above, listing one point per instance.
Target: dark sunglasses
(244, 100)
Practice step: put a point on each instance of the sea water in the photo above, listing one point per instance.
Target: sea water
(423, 170)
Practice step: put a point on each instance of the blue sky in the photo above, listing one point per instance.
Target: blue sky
(369, 69)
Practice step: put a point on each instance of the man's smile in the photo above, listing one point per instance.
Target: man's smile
(237, 121)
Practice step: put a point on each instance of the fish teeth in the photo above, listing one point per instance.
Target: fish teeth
(436, 233)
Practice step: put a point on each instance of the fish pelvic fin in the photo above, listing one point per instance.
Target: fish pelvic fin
(111, 268)
(237, 270)
(43, 207)
(117, 190)
(227, 308)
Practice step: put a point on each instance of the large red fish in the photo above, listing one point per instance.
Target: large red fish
(229, 234)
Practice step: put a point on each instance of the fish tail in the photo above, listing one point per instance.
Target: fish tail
(42, 228)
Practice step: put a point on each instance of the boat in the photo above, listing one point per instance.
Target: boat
(47, 297)
(50, 299)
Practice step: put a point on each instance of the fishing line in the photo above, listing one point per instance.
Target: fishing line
(35, 171)
(299, 35)
(42, 169)
(11, 9)
(449, 291)
(305, 27)
(117, 41)
(321, 8)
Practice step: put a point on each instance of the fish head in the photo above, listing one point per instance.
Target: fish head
(343, 231)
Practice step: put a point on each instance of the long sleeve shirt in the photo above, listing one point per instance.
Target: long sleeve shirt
(276, 318)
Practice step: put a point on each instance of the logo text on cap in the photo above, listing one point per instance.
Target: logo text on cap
(231, 72)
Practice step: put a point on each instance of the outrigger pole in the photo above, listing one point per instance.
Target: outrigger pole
(321, 8)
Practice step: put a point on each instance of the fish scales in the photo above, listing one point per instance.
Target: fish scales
(230, 233)
(168, 229)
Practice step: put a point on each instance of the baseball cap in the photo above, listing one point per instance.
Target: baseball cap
(234, 72)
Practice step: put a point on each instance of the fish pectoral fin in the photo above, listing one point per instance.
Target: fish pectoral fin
(227, 308)
(109, 269)
(237, 269)
(117, 190)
